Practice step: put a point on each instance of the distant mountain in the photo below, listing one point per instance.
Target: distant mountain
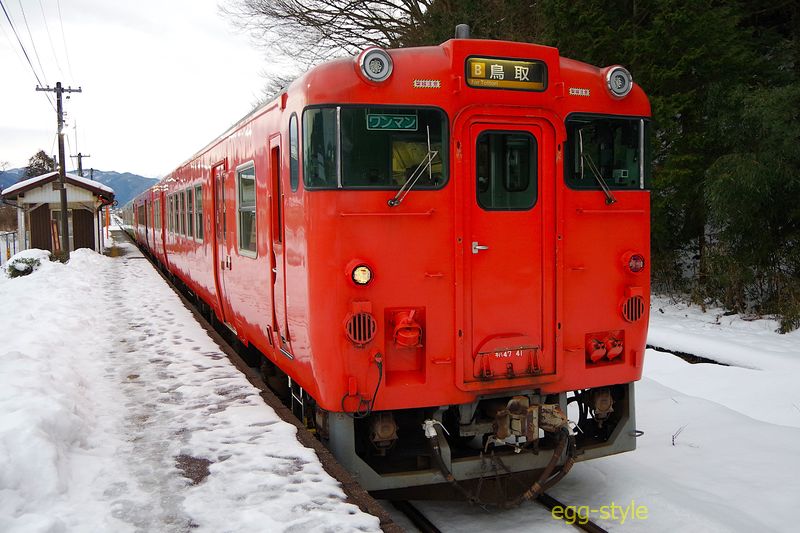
(10, 177)
(126, 185)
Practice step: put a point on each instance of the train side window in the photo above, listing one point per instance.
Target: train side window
(294, 154)
(320, 167)
(169, 213)
(156, 213)
(198, 210)
(506, 170)
(177, 214)
(182, 212)
(190, 212)
(246, 207)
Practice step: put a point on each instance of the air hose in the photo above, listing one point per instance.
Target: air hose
(546, 480)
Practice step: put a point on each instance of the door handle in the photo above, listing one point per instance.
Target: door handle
(478, 247)
(229, 262)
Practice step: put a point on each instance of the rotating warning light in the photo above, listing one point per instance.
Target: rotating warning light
(619, 81)
(375, 64)
(361, 275)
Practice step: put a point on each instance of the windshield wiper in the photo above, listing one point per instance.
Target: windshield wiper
(426, 163)
(595, 171)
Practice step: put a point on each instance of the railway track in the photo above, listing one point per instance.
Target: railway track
(424, 525)
(355, 493)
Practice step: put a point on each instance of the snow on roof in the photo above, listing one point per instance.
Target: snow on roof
(26, 184)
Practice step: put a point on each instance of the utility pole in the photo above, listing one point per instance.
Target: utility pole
(80, 157)
(62, 170)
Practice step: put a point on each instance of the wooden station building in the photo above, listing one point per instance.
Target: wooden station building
(39, 213)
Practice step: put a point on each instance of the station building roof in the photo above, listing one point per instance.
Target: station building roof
(95, 187)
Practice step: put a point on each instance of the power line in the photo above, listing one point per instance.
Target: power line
(64, 38)
(50, 38)
(33, 44)
(24, 51)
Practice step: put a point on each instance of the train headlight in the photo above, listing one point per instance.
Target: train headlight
(361, 275)
(636, 263)
(619, 81)
(375, 64)
(633, 262)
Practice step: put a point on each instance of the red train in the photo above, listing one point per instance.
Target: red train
(439, 248)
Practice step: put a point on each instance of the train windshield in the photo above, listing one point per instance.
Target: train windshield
(607, 153)
(373, 147)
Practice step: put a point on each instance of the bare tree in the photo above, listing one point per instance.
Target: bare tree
(310, 31)
(298, 34)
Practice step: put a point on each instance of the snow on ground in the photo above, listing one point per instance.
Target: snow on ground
(735, 465)
(112, 398)
(108, 396)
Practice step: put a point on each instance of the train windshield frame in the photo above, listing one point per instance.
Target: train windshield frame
(605, 151)
(374, 147)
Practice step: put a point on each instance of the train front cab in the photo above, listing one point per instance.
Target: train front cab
(504, 296)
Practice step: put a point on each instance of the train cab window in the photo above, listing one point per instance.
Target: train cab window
(190, 212)
(320, 168)
(384, 147)
(374, 147)
(606, 151)
(506, 170)
(198, 212)
(246, 200)
(294, 154)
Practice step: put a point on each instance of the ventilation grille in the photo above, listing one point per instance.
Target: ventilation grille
(361, 328)
(633, 308)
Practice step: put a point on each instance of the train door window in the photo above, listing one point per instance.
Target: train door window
(246, 209)
(198, 212)
(190, 212)
(170, 208)
(294, 154)
(157, 213)
(320, 160)
(506, 170)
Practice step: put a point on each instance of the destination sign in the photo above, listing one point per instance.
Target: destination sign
(492, 73)
(391, 122)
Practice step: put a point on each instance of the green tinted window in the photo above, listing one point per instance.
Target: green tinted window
(246, 184)
(294, 154)
(319, 152)
(506, 170)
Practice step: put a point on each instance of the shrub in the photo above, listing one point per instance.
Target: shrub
(22, 266)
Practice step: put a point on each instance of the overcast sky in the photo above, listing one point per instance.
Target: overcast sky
(160, 79)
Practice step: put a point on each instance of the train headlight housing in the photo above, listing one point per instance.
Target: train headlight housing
(375, 64)
(619, 81)
(634, 262)
(361, 275)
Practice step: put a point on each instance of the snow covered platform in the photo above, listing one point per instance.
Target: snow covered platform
(119, 413)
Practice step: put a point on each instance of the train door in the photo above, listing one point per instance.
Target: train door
(278, 261)
(509, 249)
(222, 258)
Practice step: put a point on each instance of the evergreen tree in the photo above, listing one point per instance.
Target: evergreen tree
(39, 164)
